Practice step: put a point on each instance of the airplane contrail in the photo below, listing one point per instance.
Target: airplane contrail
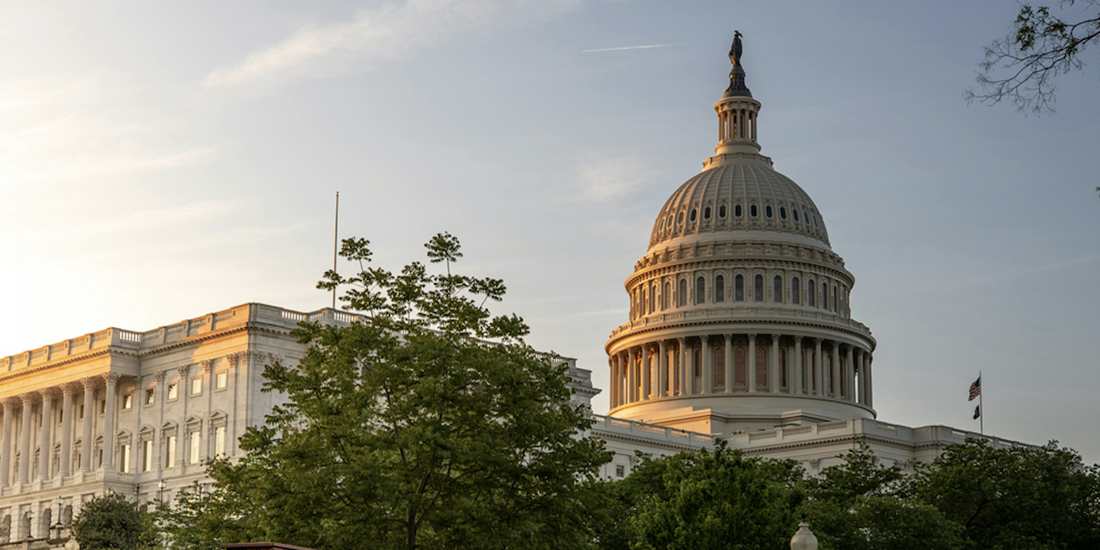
(631, 48)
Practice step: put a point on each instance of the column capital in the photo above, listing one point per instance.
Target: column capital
(111, 378)
(797, 339)
(776, 337)
(159, 376)
(752, 336)
(48, 392)
(207, 365)
(68, 388)
(89, 381)
(183, 370)
(29, 397)
(728, 337)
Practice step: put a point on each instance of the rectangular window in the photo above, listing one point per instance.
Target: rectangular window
(124, 459)
(170, 452)
(196, 385)
(150, 396)
(173, 390)
(127, 401)
(620, 471)
(194, 447)
(222, 380)
(81, 417)
(219, 441)
(147, 455)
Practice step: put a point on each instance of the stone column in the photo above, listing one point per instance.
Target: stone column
(861, 395)
(870, 385)
(849, 377)
(610, 381)
(45, 448)
(729, 363)
(631, 390)
(796, 379)
(5, 452)
(646, 378)
(68, 396)
(87, 446)
(773, 371)
(25, 453)
(109, 420)
(684, 389)
(662, 367)
(751, 375)
(835, 383)
(708, 371)
(819, 380)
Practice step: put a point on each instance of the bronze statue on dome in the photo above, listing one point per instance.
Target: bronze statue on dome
(735, 50)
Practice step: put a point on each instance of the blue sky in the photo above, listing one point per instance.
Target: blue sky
(158, 162)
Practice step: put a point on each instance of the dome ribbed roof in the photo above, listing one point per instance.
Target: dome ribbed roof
(730, 191)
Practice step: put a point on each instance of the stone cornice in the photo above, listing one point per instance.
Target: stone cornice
(699, 322)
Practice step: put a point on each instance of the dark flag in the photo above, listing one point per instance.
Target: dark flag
(975, 390)
(977, 412)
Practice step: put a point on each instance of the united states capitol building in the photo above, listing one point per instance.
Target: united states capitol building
(739, 329)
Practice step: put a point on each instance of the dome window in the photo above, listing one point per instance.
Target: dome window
(722, 211)
(679, 218)
(693, 214)
(815, 220)
(768, 211)
(669, 224)
(737, 210)
(739, 288)
(782, 212)
(706, 213)
(795, 214)
(752, 210)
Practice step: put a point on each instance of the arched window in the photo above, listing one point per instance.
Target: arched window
(782, 367)
(682, 298)
(794, 291)
(777, 289)
(679, 218)
(692, 214)
(739, 374)
(795, 212)
(722, 211)
(768, 211)
(700, 290)
(834, 300)
(719, 367)
(824, 296)
(782, 212)
(752, 210)
(645, 298)
(697, 368)
(737, 210)
(758, 288)
(706, 213)
(761, 367)
(667, 296)
(810, 289)
(739, 288)
(652, 297)
(719, 289)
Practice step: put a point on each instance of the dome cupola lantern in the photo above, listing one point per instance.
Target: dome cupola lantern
(739, 308)
(737, 111)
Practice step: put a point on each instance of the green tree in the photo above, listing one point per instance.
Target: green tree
(408, 429)
(706, 499)
(1016, 497)
(855, 506)
(112, 521)
(1041, 46)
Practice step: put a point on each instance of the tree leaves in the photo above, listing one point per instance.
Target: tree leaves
(409, 429)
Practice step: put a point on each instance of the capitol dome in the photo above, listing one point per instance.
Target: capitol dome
(739, 309)
(736, 201)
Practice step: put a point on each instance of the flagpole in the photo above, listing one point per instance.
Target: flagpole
(335, 243)
(981, 407)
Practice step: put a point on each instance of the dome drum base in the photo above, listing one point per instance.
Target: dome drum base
(729, 414)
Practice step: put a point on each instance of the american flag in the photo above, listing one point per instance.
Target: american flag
(975, 389)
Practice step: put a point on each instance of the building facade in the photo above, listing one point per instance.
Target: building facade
(740, 329)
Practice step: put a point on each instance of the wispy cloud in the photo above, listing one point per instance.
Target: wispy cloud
(66, 127)
(646, 47)
(608, 178)
(393, 31)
